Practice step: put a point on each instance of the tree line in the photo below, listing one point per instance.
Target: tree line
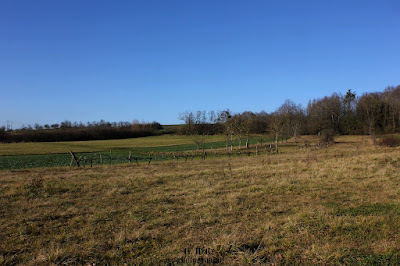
(74, 131)
(371, 113)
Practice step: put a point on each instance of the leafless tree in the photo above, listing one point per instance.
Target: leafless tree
(276, 126)
(369, 107)
(293, 118)
(225, 118)
(195, 124)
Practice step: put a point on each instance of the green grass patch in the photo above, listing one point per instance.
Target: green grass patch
(367, 209)
(371, 259)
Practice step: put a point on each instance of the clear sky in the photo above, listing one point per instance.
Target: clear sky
(151, 60)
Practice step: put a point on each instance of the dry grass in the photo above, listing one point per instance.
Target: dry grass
(335, 205)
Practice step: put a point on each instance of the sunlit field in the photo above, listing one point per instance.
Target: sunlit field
(97, 145)
(338, 204)
(164, 147)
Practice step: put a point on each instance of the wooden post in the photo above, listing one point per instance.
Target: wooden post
(130, 157)
(110, 157)
(75, 159)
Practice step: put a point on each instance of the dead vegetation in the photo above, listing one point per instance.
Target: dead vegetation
(334, 205)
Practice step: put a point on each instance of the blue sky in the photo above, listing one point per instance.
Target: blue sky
(151, 60)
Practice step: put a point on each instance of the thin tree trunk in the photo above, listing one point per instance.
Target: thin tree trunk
(372, 133)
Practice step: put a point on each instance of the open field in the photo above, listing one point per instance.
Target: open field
(98, 145)
(42, 154)
(334, 205)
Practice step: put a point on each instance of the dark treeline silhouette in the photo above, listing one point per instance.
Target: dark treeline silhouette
(371, 113)
(73, 131)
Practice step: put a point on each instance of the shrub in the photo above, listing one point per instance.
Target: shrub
(327, 135)
(390, 140)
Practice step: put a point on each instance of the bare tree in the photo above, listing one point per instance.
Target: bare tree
(349, 102)
(225, 118)
(195, 126)
(248, 125)
(276, 126)
(369, 107)
(293, 118)
(391, 102)
(238, 127)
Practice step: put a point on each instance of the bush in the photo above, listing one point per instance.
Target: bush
(327, 135)
(390, 140)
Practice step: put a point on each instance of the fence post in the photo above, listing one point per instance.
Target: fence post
(130, 157)
(75, 159)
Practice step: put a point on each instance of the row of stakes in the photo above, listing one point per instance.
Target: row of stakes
(78, 160)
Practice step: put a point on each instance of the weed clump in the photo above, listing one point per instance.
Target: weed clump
(35, 185)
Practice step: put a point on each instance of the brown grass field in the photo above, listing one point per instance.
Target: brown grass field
(336, 205)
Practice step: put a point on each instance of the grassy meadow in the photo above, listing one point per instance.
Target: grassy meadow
(98, 145)
(333, 205)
